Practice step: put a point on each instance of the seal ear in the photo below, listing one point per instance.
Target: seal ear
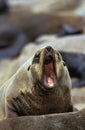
(36, 58)
(64, 63)
(28, 68)
(59, 55)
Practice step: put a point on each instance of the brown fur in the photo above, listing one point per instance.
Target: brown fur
(28, 92)
(65, 121)
(31, 104)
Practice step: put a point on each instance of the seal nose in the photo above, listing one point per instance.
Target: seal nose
(48, 55)
(49, 48)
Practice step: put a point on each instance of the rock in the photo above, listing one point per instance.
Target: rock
(81, 9)
(44, 5)
(36, 24)
(74, 44)
(78, 96)
(69, 43)
(79, 106)
(65, 121)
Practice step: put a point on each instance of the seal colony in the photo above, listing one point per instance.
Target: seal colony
(40, 86)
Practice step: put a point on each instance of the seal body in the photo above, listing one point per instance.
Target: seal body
(76, 66)
(40, 86)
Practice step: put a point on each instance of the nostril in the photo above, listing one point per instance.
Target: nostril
(49, 48)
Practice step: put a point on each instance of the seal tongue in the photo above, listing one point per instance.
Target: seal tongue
(50, 81)
(49, 74)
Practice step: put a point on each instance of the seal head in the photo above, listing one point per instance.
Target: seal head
(49, 70)
(40, 86)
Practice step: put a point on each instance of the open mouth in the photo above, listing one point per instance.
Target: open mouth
(49, 71)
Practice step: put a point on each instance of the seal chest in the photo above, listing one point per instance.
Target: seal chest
(41, 86)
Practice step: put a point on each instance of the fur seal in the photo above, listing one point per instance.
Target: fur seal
(68, 30)
(44, 84)
(11, 39)
(76, 65)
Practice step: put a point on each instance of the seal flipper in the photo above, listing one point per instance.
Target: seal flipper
(68, 30)
(10, 111)
(20, 104)
(17, 105)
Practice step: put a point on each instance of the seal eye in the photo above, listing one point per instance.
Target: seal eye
(64, 63)
(36, 58)
(28, 68)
